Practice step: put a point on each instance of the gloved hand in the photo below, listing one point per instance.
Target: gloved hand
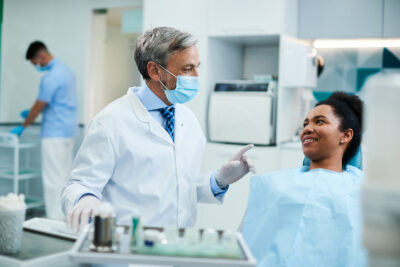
(78, 217)
(18, 130)
(237, 167)
(24, 113)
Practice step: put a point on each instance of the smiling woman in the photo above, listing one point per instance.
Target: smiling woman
(311, 216)
(332, 131)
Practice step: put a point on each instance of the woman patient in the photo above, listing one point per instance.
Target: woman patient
(311, 216)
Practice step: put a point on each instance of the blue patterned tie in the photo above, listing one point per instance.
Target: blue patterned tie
(169, 115)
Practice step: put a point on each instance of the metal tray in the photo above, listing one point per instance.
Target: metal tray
(80, 253)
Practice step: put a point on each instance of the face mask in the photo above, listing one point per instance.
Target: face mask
(185, 90)
(40, 68)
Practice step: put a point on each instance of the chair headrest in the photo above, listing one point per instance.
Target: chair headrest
(355, 161)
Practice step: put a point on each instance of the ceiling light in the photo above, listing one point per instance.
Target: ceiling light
(356, 43)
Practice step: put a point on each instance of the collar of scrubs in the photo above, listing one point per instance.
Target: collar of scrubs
(51, 63)
(149, 99)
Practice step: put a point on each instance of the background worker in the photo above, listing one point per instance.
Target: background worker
(57, 101)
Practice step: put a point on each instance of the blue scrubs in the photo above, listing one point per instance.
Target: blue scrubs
(298, 217)
(58, 89)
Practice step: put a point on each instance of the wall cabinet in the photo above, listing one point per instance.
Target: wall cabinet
(349, 19)
(227, 17)
(340, 18)
(185, 15)
(391, 19)
(223, 17)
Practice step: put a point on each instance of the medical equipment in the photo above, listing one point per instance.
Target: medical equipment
(179, 253)
(192, 236)
(50, 227)
(135, 231)
(243, 111)
(104, 223)
(151, 237)
(19, 163)
(210, 236)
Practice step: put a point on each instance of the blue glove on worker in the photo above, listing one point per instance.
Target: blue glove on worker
(18, 130)
(24, 113)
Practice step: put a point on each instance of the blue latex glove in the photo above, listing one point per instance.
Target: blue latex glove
(18, 130)
(24, 113)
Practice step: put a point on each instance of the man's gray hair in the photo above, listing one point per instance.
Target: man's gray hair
(158, 45)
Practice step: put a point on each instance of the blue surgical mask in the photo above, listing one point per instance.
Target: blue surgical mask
(40, 68)
(185, 90)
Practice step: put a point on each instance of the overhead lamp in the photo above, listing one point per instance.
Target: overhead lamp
(356, 43)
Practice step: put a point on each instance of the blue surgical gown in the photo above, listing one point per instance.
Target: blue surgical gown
(298, 217)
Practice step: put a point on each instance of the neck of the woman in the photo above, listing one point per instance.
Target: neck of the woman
(329, 164)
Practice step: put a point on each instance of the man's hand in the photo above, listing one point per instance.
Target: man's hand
(237, 167)
(78, 217)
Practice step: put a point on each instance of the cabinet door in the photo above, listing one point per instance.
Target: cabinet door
(185, 15)
(230, 17)
(340, 18)
(391, 20)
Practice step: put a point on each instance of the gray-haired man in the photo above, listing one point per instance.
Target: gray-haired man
(143, 152)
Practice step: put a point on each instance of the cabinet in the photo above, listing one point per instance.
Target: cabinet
(185, 15)
(349, 19)
(20, 164)
(223, 17)
(227, 17)
(340, 18)
(391, 19)
(252, 56)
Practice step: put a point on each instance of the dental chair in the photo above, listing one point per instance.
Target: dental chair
(355, 161)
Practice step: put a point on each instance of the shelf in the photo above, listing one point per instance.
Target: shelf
(21, 145)
(250, 40)
(25, 174)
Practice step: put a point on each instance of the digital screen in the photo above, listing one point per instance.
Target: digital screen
(241, 87)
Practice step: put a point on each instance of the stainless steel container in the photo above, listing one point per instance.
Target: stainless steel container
(104, 227)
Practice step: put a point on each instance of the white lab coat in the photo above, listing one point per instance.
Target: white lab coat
(128, 159)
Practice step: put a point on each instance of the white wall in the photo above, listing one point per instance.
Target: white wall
(121, 68)
(64, 26)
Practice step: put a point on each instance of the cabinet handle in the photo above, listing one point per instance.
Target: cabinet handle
(253, 29)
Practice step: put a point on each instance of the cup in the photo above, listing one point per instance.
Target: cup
(11, 224)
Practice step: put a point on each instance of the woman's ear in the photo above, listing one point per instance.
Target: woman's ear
(153, 71)
(347, 136)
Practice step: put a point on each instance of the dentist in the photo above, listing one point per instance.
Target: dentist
(143, 152)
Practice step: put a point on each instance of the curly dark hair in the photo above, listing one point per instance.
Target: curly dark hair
(348, 108)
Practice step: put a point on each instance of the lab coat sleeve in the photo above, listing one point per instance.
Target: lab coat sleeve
(92, 167)
(204, 190)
